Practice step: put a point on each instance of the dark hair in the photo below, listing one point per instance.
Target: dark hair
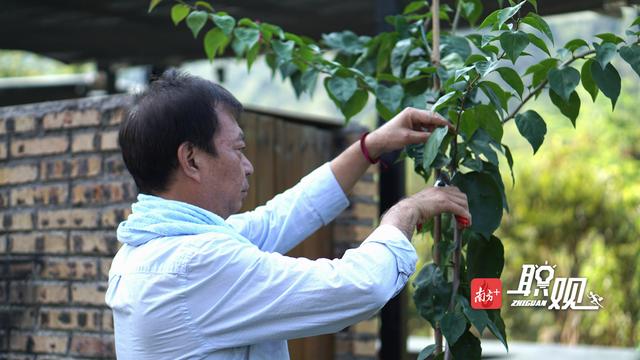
(176, 108)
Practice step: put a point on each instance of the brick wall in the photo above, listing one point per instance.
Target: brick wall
(63, 190)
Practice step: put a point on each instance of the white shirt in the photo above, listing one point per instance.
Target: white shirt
(210, 296)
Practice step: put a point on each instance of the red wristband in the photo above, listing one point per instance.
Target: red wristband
(365, 152)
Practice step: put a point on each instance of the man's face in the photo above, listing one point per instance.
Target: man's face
(225, 176)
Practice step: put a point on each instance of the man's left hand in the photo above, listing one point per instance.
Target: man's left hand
(410, 126)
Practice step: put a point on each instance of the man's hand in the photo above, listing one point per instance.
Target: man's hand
(411, 126)
(424, 205)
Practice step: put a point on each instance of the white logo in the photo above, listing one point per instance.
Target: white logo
(566, 293)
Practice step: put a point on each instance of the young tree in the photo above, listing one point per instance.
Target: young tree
(417, 65)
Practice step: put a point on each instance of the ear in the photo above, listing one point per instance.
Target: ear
(187, 164)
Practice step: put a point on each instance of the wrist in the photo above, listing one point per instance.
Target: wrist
(374, 145)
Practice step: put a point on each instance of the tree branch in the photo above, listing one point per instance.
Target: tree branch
(543, 84)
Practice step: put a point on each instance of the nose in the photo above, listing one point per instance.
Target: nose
(248, 167)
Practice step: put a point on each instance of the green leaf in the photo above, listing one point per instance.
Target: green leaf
(214, 40)
(631, 54)
(499, 17)
(539, 43)
(498, 97)
(178, 13)
(153, 4)
(252, 54)
(342, 88)
(427, 352)
(587, 79)
(304, 81)
(432, 293)
(537, 22)
(390, 96)
(478, 318)
(283, 49)
(398, 55)
(453, 326)
(467, 347)
(268, 30)
(604, 53)
(414, 6)
(512, 78)
(444, 99)
(636, 21)
(540, 70)
(610, 38)
(507, 154)
(497, 327)
(415, 68)
(346, 42)
(354, 105)
(485, 257)
(514, 43)
(204, 4)
(224, 22)
(245, 38)
(575, 44)
(387, 42)
(432, 145)
(570, 108)
(485, 200)
(196, 21)
(471, 10)
(482, 116)
(564, 81)
(248, 23)
(532, 127)
(534, 3)
(608, 80)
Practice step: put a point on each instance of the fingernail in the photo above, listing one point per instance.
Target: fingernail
(463, 222)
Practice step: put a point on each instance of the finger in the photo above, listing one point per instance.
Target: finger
(417, 137)
(428, 118)
(459, 210)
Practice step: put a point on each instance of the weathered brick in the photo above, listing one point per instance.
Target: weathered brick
(68, 219)
(117, 116)
(71, 118)
(18, 174)
(93, 242)
(109, 140)
(24, 124)
(40, 195)
(359, 210)
(114, 165)
(3, 126)
(26, 292)
(114, 216)
(4, 198)
(3, 244)
(20, 268)
(350, 233)
(53, 242)
(4, 294)
(39, 146)
(107, 320)
(105, 266)
(51, 343)
(69, 268)
(70, 319)
(85, 141)
(365, 348)
(365, 188)
(18, 317)
(88, 166)
(370, 326)
(92, 345)
(3, 149)
(18, 220)
(91, 293)
(96, 193)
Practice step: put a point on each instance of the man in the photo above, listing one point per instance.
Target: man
(193, 280)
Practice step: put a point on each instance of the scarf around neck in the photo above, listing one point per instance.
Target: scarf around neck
(153, 217)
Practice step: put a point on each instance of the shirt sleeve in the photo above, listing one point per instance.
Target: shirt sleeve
(238, 295)
(290, 217)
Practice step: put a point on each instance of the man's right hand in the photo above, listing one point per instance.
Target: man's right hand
(424, 205)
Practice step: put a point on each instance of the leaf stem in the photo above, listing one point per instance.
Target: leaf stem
(544, 83)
